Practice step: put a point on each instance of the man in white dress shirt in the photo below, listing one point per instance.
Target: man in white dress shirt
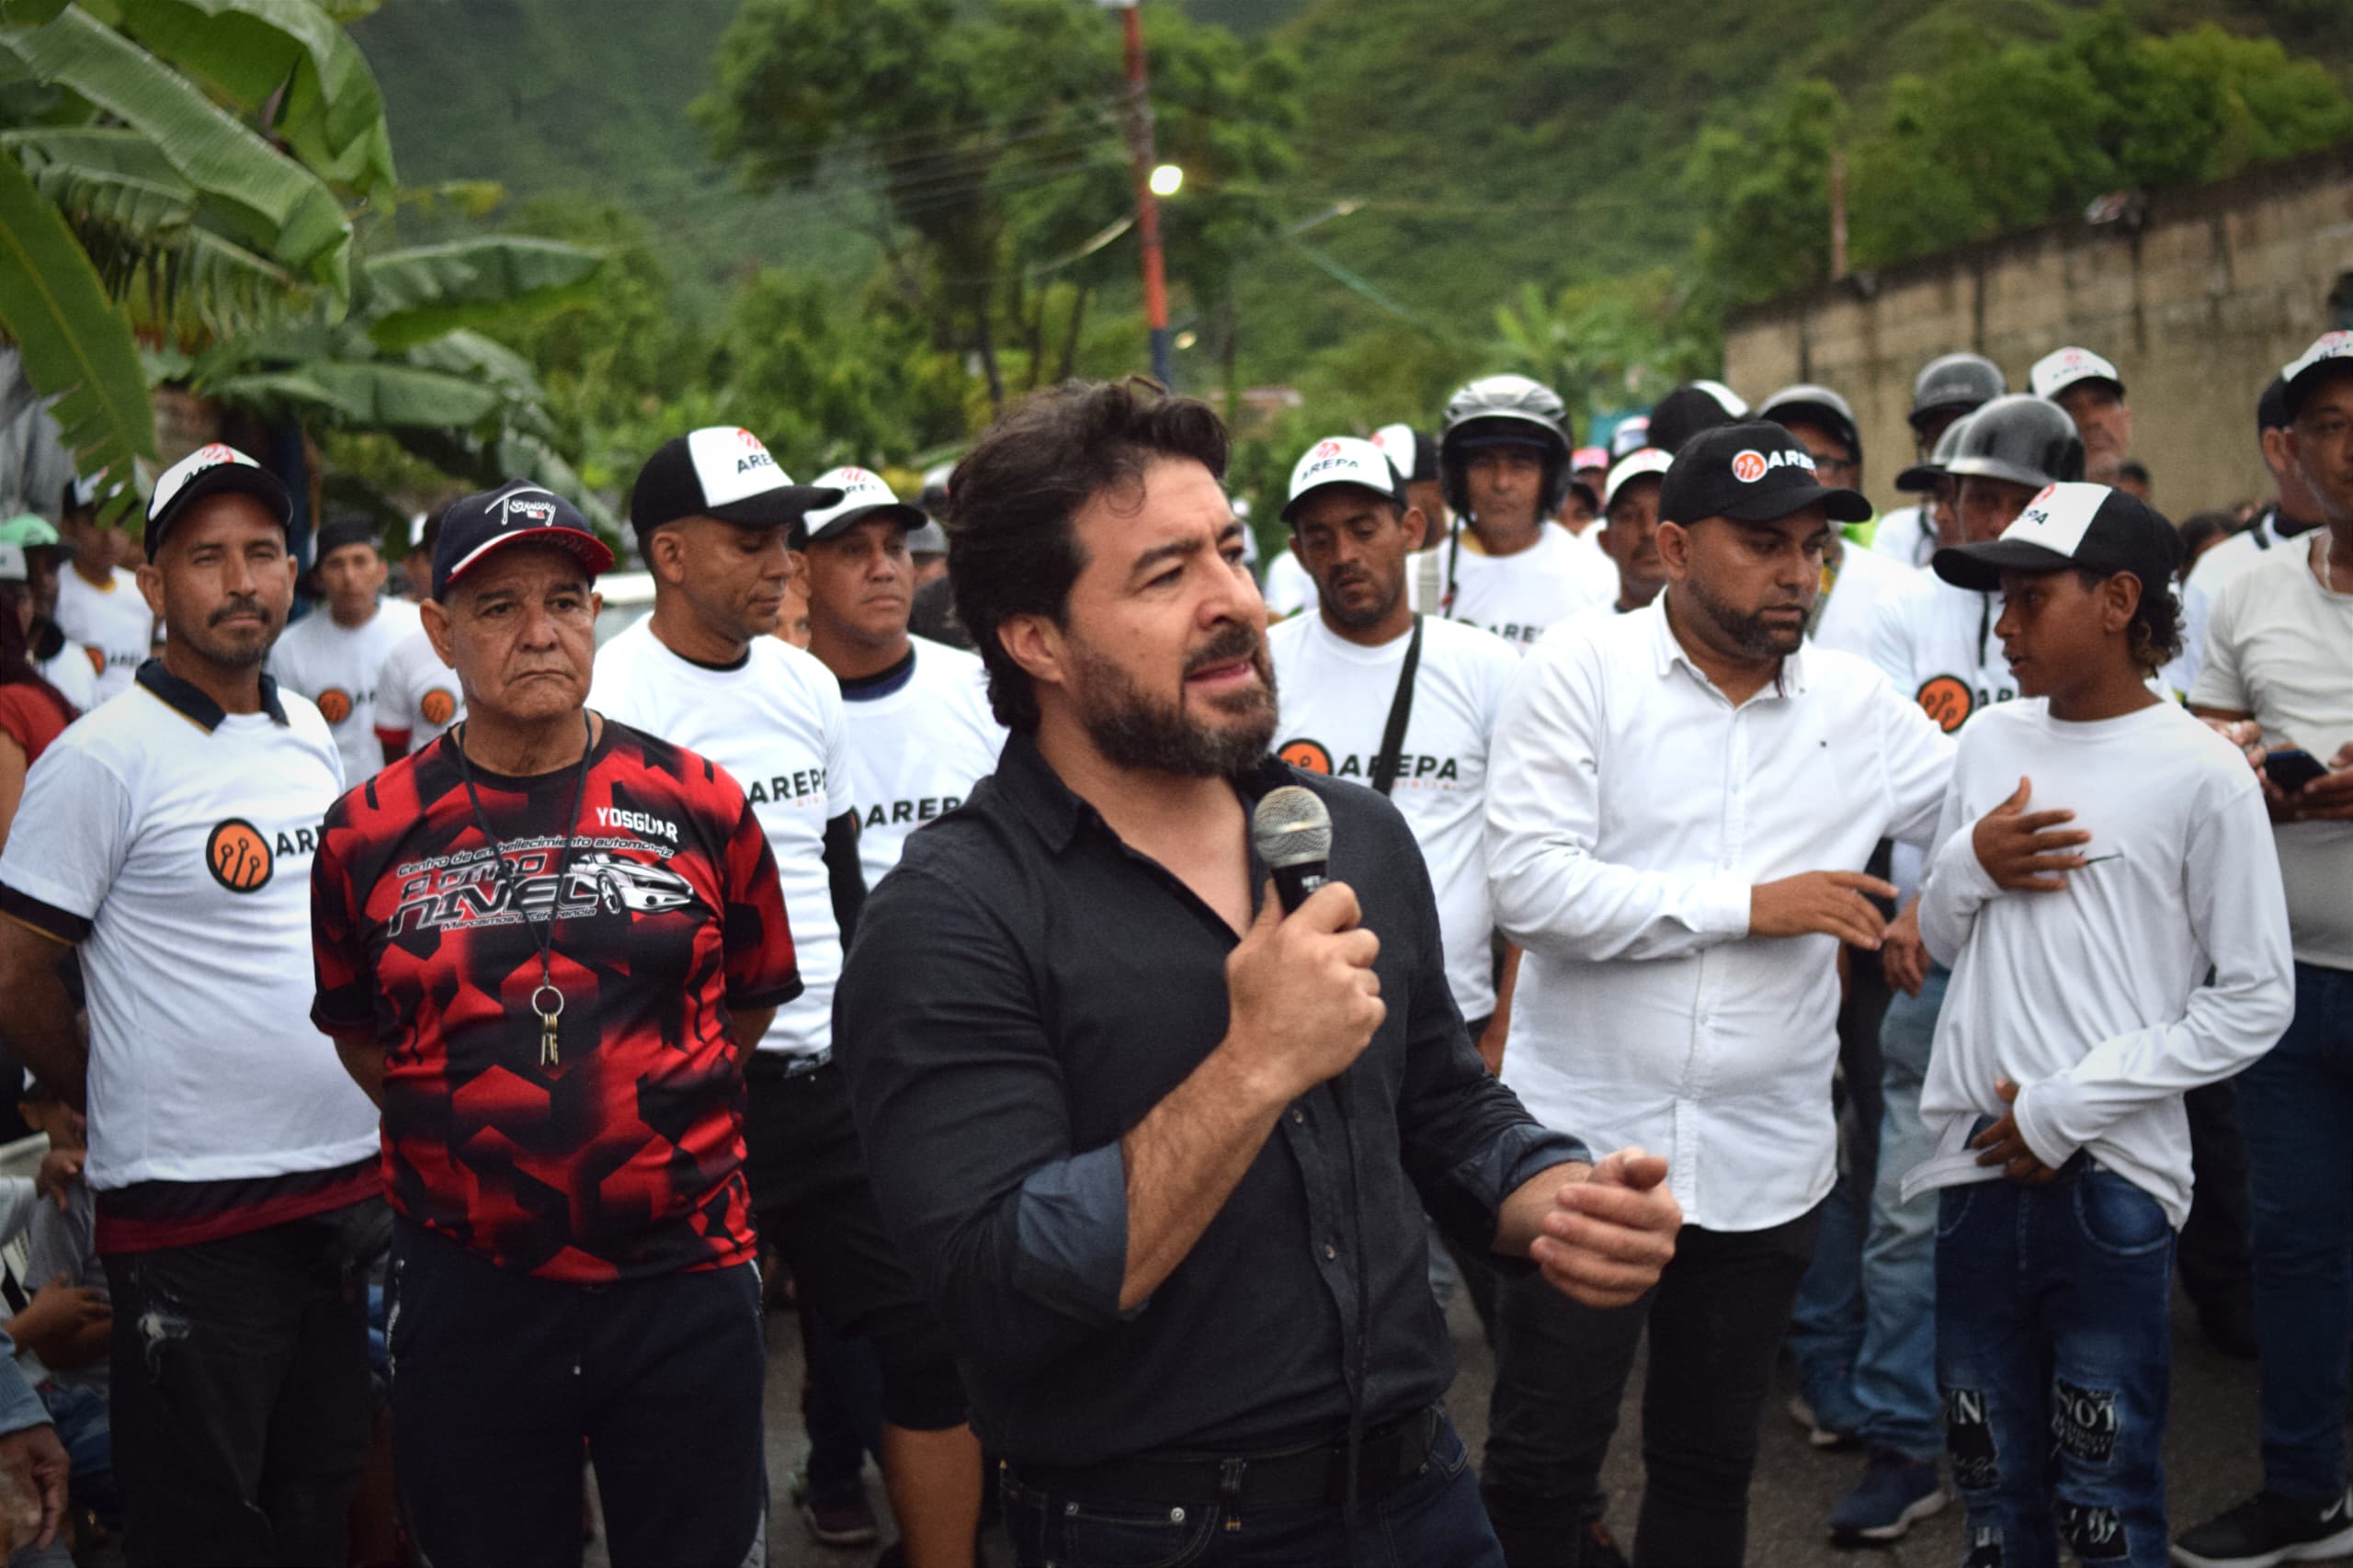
(1679, 806)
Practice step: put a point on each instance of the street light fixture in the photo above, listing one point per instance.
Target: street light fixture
(1168, 180)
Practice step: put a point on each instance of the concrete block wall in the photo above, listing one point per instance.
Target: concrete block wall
(2197, 306)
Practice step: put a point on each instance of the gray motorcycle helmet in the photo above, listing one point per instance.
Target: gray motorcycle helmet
(2022, 438)
(1965, 381)
(1506, 408)
(1821, 406)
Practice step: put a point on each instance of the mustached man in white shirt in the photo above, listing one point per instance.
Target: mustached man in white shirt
(335, 655)
(714, 515)
(920, 731)
(1679, 806)
(1342, 684)
(99, 607)
(1505, 565)
(2117, 934)
(167, 838)
(2294, 510)
(2280, 658)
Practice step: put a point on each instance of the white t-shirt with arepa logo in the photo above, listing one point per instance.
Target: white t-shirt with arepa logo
(336, 667)
(1519, 597)
(178, 855)
(917, 744)
(417, 696)
(113, 625)
(1334, 696)
(774, 721)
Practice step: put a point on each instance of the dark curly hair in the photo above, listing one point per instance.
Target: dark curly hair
(1011, 548)
(2155, 628)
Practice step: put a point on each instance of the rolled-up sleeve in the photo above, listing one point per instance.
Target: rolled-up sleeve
(1016, 1237)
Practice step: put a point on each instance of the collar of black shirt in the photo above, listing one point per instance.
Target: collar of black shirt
(1029, 781)
(187, 699)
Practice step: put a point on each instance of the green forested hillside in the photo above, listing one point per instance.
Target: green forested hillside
(1455, 158)
(1490, 142)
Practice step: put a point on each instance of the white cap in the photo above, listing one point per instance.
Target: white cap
(208, 471)
(1399, 442)
(1631, 436)
(2062, 368)
(1632, 466)
(12, 564)
(1343, 460)
(863, 496)
(2298, 373)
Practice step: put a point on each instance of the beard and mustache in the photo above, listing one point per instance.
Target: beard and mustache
(1135, 728)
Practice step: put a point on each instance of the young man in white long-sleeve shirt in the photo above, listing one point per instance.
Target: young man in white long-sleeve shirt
(2107, 956)
(1680, 802)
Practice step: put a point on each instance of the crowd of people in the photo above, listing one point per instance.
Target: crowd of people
(1740, 923)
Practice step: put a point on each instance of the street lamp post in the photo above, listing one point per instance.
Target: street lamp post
(1155, 276)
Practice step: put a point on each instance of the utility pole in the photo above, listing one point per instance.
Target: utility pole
(1837, 213)
(1155, 274)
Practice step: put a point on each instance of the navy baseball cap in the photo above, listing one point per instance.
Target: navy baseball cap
(518, 512)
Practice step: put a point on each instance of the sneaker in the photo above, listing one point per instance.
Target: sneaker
(847, 1523)
(1893, 1493)
(1816, 1434)
(2269, 1528)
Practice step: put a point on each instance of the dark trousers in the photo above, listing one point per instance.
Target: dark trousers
(841, 1406)
(815, 1206)
(2216, 1268)
(240, 1394)
(502, 1381)
(2054, 1351)
(2296, 1104)
(1433, 1519)
(1716, 1319)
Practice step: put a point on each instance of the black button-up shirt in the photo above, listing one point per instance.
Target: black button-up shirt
(1024, 988)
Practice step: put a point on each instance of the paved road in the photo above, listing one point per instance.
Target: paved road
(2209, 1455)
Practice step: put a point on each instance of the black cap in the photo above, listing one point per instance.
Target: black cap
(2086, 526)
(1753, 471)
(1690, 409)
(518, 512)
(215, 470)
(722, 472)
(1819, 404)
(348, 528)
(2271, 408)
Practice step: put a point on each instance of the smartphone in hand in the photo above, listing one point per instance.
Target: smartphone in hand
(2290, 770)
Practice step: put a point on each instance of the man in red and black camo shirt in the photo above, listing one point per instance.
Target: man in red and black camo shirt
(545, 944)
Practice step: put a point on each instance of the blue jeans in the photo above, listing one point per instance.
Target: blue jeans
(1864, 1333)
(2296, 1108)
(1435, 1518)
(2054, 1343)
(1895, 1371)
(79, 1414)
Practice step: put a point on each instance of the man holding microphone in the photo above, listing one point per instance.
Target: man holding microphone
(1157, 1151)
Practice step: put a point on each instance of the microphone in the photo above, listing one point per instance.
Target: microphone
(1291, 831)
